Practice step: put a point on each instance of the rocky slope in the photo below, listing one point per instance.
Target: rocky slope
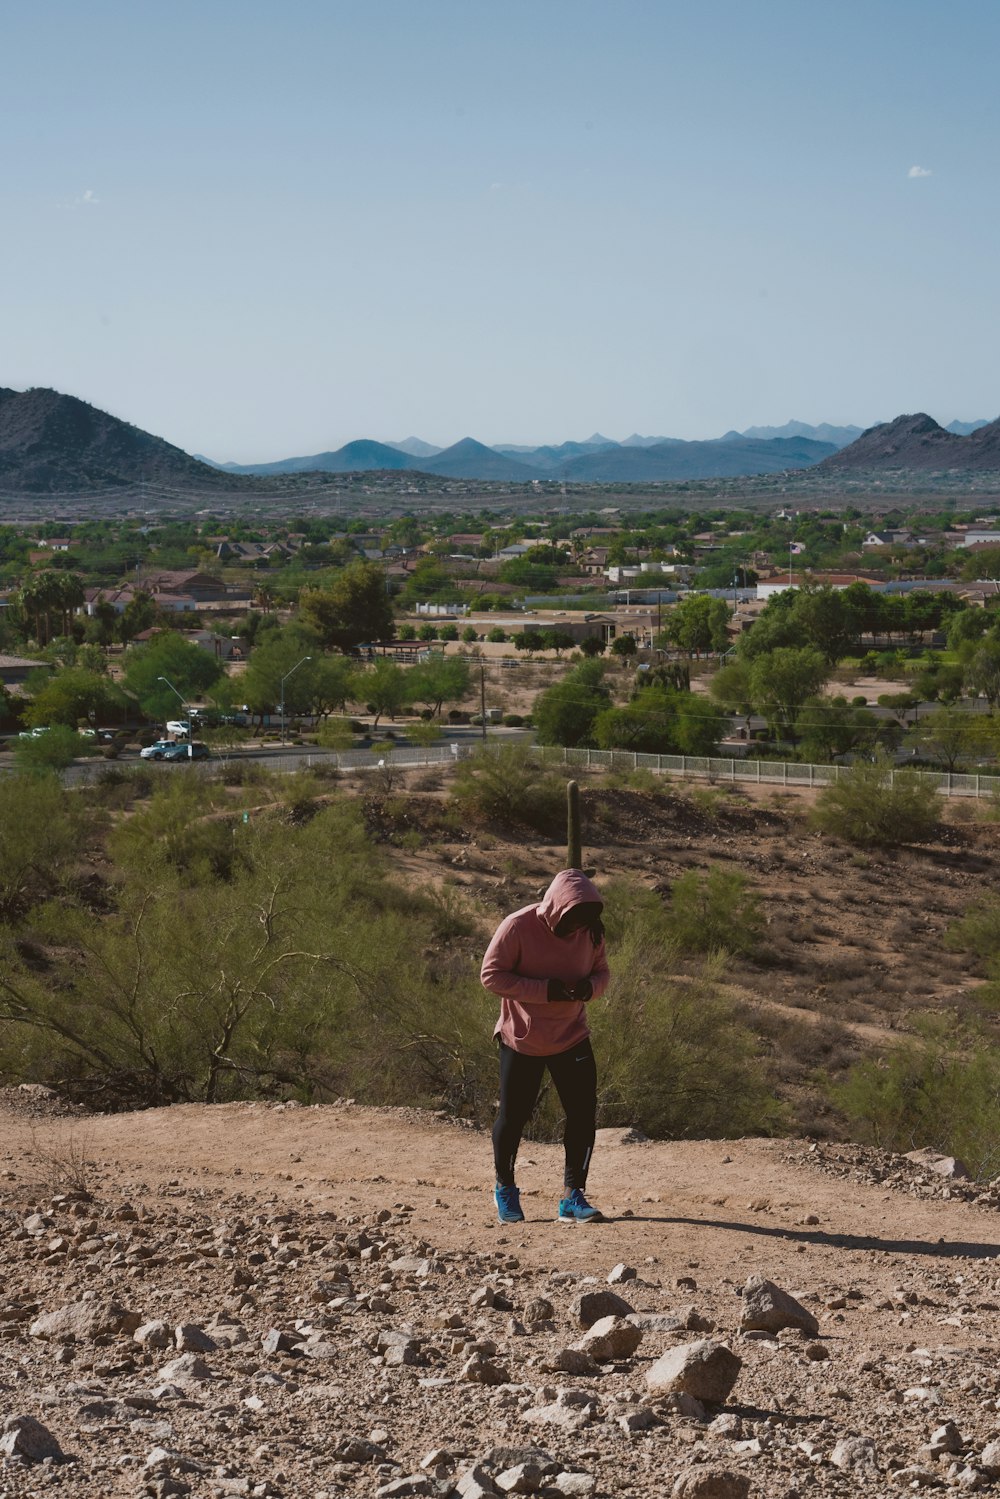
(278, 1301)
(918, 443)
(51, 442)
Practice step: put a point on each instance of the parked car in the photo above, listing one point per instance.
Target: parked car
(157, 750)
(194, 750)
(179, 726)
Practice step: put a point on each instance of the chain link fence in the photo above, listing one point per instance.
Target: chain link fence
(712, 768)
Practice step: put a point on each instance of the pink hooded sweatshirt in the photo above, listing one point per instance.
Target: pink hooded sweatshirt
(525, 953)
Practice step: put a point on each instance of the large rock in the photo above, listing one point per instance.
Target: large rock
(83, 1321)
(25, 1437)
(591, 1306)
(610, 1338)
(706, 1370)
(188, 1367)
(989, 1459)
(569, 1361)
(711, 1483)
(767, 1308)
(854, 1452)
(941, 1165)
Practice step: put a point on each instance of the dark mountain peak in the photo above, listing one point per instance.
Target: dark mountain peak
(917, 441)
(51, 442)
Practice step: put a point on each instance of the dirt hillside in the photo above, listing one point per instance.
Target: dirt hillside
(277, 1300)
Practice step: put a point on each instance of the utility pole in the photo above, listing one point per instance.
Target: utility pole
(482, 695)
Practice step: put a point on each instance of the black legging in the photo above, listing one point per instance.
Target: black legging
(574, 1073)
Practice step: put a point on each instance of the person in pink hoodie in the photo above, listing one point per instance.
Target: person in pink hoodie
(546, 963)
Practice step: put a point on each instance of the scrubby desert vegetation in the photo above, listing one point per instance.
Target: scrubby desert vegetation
(313, 937)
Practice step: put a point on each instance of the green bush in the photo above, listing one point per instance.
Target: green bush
(872, 804)
(675, 1056)
(714, 911)
(939, 1090)
(41, 829)
(510, 785)
(54, 750)
(305, 973)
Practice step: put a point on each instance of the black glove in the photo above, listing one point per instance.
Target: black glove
(582, 990)
(557, 990)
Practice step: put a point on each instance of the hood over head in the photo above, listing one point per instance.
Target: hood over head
(570, 888)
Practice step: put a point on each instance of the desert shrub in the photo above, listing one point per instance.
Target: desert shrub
(307, 972)
(52, 751)
(510, 785)
(940, 1090)
(178, 831)
(675, 1057)
(713, 911)
(41, 829)
(874, 805)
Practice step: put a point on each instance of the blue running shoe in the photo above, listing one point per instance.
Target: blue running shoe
(508, 1201)
(576, 1209)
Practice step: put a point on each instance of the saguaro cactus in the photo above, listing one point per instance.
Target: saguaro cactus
(574, 850)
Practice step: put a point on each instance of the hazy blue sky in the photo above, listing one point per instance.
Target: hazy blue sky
(261, 228)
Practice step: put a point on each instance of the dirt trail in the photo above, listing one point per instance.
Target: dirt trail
(358, 1308)
(735, 1207)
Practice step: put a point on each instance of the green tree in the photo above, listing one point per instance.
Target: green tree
(189, 668)
(984, 564)
(950, 735)
(384, 686)
(354, 609)
(697, 624)
(54, 750)
(982, 675)
(41, 827)
(624, 647)
(442, 679)
(329, 684)
(826, 727)
(824, 618)
(730, 686)
(773, 629)
(139, 614)
(661, 720)
(967, 628)
(782, 680)
(592, 646)
(72, 695)
(565, 712)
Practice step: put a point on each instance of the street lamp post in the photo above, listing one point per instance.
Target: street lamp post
(283, 681)
(183, 703)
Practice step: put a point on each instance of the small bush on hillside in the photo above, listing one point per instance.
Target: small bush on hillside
(874, 805)
(940, 1091)
(712, 911)
(675, 1056)
(54, 750)
(511, 786)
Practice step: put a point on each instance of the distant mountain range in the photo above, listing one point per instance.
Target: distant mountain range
(596, 460)
(51, 442)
